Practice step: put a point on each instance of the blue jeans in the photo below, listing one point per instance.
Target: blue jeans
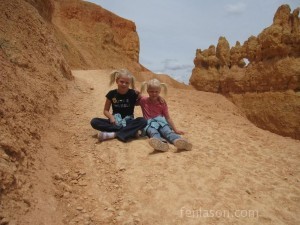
(163, 132)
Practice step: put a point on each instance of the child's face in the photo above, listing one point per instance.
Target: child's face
(153, 92)
(123, 83)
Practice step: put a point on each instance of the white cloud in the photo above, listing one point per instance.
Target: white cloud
(176, 69)
(172, 64)
(237, 8)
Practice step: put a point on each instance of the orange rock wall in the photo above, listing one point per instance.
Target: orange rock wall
(33, 75)
(95, 38)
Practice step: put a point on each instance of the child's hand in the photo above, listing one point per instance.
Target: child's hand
(161, 100)
(138, 97)
(137, 92)
(178, 132)
(112, 120)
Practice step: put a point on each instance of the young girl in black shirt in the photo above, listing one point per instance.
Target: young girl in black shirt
(121, 122)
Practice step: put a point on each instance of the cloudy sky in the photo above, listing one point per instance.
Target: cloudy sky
(170, 31)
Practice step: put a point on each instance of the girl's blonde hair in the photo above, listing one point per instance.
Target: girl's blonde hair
(115, 75)
(154, 83)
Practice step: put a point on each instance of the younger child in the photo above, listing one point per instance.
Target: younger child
(160, 126)
(120, 122)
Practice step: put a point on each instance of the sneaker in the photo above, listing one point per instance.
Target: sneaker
(100, 136)
(158, 144)
(106, 135)
(182, 144)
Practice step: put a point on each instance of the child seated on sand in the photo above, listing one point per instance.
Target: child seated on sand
(120, 123)
(160, 127)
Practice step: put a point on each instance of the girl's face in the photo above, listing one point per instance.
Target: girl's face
(123, 84)
(153, 92)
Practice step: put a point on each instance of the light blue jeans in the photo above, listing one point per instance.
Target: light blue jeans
(163, 132)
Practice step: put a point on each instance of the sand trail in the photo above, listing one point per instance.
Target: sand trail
(235, 174)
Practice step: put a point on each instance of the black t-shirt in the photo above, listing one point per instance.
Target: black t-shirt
(123, 104)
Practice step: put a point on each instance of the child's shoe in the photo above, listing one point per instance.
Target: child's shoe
(182, 144)
(100, 136)
(106, 135)
(158, 144)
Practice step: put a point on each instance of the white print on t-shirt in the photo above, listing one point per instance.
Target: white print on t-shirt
(122, 103)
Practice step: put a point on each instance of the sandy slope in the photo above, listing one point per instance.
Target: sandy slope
(234, 166)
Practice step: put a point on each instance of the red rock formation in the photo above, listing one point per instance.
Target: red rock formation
(274, 60)
(274, 65)
(95, 38)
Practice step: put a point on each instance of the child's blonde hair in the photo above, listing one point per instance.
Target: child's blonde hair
(115, 75)
(154, 83)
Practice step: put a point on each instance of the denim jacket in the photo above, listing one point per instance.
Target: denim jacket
(121, 121)
(155, 122)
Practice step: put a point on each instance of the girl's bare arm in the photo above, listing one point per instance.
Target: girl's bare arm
(171, 123)
(106, 111)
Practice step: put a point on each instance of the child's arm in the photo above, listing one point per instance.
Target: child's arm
(107, 113)
(169, 120)
(139, 96)
(171, 123)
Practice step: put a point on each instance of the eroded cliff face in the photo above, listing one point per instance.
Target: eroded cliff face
(277, 112)
(258, 87)
(95, 38)
(44, 7)
(33, 75)
(273, 56)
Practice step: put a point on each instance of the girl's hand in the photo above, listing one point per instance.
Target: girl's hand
(137, 92)
(112, 120)
(161, 100)
(178, 132)
(138, 97)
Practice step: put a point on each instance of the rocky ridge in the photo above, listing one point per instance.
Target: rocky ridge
(257, 74)
(273, 56)
(95, 38)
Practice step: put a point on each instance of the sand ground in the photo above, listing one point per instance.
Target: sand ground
(235, 174)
